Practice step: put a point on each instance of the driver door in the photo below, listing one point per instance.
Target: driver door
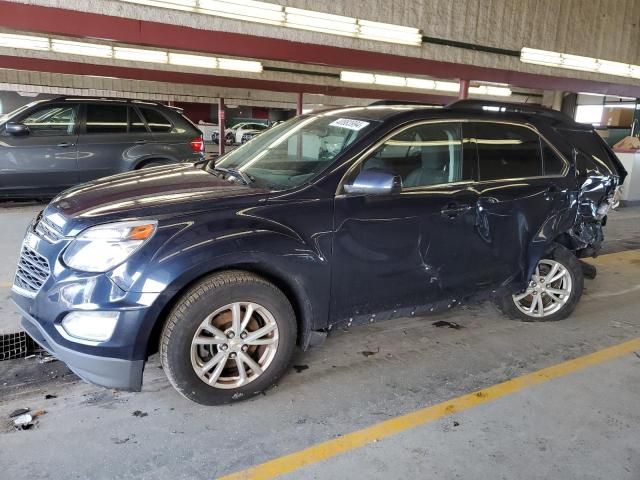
(402, 250)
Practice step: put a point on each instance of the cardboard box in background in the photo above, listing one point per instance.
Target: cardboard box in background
(617, 117)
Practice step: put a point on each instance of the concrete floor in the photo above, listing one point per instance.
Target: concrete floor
(584, 425)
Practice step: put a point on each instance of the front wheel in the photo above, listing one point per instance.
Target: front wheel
(229, 337)
(553, 290)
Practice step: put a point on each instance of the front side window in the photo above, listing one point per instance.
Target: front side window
(294, 152)
(106, 119)
(424, 155)
(507, 151)
(51, 121)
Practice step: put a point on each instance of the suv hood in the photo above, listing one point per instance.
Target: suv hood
(160, 191)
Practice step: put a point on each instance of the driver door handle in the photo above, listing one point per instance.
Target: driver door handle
(65, 144)
(454, 209)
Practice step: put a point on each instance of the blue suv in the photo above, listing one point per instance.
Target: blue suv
(330, 219)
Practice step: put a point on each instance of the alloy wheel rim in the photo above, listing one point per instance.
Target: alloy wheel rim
(234, 345)
(548, 291)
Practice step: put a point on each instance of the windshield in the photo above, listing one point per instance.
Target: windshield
(294, 152)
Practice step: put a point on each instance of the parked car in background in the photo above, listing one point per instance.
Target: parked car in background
(209, 131)
(50, 145)
(332, 219)
(242, 128)
(250, 134)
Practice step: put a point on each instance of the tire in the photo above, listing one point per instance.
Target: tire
(555, 306)
(153, 163)
(211, 302)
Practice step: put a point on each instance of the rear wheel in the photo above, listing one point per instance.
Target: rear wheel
(229, 337)
(553, 290)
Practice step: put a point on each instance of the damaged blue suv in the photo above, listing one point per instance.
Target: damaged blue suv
(335, 218)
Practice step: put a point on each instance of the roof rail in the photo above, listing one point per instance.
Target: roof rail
(509, 107)
(379, 103)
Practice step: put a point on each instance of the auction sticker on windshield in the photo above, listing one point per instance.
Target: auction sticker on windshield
(349, 123)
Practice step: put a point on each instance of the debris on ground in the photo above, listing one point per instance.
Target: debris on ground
(18, 412)
(23, 422)
(139, 413)
(368, 353)
(49, 396)
(456, 423)
(47, 359)
(300, 368)
(121, 441)
(446, 323)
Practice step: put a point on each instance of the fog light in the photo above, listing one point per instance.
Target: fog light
(92, 326)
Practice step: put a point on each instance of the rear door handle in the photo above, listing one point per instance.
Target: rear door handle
(65, 144)
(454, 209)
(141, 142)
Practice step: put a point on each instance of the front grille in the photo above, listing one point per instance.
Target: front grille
(33, 270)
(47, 230)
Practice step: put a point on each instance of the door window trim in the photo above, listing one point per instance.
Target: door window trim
(365, 155)
(74, 105)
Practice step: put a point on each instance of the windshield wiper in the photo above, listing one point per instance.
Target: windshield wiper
(232, 172)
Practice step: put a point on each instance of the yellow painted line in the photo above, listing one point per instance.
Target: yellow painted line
(350, 441)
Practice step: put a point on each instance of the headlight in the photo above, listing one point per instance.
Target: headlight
(103, 247)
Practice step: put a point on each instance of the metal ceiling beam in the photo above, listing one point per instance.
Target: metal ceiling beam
(71, 23)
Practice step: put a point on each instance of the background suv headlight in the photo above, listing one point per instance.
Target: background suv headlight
(103, 247)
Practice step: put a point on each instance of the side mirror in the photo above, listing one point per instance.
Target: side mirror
(14, 128)
(374, 182)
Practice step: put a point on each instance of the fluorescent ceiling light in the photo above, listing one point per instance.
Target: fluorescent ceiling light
(490, 90)
(421, 83)
(387, 32)
(81, 48)
(249, 10)
(448, 86)
(240, 65)
(24, 41)
(496, 90)
(357, 77)
(577, 62)
(274, 14)
(197, 61)
(322, 22)
(140, 55)
(390, 80)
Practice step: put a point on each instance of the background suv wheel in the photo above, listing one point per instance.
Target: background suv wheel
(552, 292)
(229, 337)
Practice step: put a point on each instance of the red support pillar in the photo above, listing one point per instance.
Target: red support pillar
(299, 103)
(463, 94)
(221, 134)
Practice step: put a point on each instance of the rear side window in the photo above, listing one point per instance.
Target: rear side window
(136, 124)
(106, 119)
(553, 164)
(157, 122)
(51, 121)
(507, 151)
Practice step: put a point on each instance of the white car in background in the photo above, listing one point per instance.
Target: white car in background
(208, 130)
(247, 127)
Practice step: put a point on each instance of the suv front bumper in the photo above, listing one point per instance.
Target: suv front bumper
(104, 371)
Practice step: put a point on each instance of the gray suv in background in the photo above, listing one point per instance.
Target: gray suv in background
(50, 145)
